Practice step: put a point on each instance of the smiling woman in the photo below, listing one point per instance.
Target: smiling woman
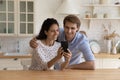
(48, 51)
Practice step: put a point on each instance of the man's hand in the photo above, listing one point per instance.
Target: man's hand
(67, 55)
(33, 43)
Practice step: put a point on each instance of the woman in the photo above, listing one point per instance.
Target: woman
(49, 52)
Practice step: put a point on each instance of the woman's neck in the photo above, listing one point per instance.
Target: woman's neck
(48, 42)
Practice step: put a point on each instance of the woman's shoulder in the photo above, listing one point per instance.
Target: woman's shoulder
(57, 43)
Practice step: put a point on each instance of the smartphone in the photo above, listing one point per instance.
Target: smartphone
(64, 45)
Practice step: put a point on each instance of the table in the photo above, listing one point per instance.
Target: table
(98, 74)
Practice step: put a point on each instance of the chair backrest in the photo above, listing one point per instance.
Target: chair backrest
(26, 63)
(83, 32)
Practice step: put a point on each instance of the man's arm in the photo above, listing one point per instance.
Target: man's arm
(87, 65)
(33, 43)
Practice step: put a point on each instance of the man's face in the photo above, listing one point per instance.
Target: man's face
(70, 30)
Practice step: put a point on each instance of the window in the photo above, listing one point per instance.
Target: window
(17, 17)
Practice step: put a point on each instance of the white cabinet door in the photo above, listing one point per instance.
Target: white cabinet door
(26, 63)
(111, 63)
(108, 63)
(7, 17)
(26, 17)
(10, 64)
(98, 63)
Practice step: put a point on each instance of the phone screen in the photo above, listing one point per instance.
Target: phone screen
(64, 45)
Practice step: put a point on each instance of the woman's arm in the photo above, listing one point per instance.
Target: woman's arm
(53, 61)
(56, 59)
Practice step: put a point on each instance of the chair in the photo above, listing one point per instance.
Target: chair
(26, 63)
(83, 32)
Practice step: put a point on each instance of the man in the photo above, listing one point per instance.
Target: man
(78, 44)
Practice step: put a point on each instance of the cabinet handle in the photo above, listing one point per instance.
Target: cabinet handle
(4, 68)
(15, 58)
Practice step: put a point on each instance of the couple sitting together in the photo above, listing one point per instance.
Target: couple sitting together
(48, 53)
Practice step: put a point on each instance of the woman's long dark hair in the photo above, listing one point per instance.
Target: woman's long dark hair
(45, 27)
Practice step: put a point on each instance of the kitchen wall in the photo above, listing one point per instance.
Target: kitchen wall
(15, 44)
(48, 8)
(93, 28)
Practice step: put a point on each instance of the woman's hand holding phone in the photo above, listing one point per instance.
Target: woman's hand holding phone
(67, 54)
(60, 53)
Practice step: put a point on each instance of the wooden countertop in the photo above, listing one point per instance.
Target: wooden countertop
(97, 55)
(18, 56)
(99, 74)
(107, 55)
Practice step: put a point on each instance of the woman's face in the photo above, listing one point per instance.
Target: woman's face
(53, 32)
(70, 30)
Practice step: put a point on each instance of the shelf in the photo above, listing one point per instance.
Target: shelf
(96, 11)
(99, 5)
(100, 18)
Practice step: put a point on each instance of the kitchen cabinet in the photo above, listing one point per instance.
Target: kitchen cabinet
(107, 61)
(111, 63)
(98, 63)
(14, 62)
(10, 64)
(26, 63)
(16, 17)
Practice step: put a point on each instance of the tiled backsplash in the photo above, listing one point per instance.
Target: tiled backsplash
(15, 44)
(95, 31)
